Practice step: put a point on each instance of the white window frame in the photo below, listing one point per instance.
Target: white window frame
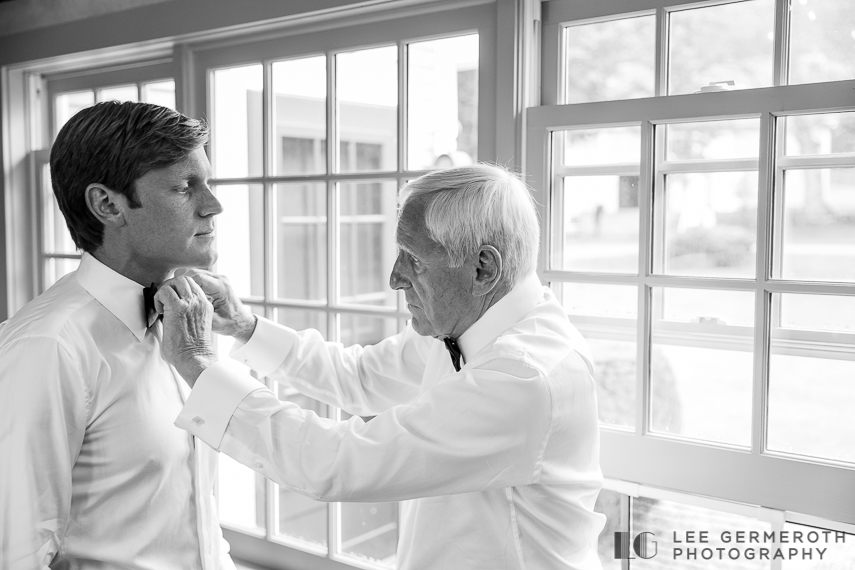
(801, 488)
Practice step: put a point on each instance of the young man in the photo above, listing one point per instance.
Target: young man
(94, 473)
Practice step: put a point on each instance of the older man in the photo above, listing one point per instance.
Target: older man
(485, 405)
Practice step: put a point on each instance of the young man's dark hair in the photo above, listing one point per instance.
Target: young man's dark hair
(114, 144)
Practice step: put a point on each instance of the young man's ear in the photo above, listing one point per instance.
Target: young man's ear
(107, 205)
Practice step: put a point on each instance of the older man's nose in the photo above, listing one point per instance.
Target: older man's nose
(396, 279)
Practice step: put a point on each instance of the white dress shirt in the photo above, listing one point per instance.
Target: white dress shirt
(501, 459)
(93, 471)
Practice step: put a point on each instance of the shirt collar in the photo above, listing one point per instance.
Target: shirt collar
(115, 292)
(508, 310)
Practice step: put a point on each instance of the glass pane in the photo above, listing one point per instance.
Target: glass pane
(608, 503)
(160, 93)
(240, 495)
(599, 300)
(367, 244)
(818, 227)
(711, 140)
(57, 238)
(831, 133)
(810, 387)
(119, 93)
(367, 92)
(301, 241)
(839, 548)
(671, 522)
(821, 41)
(240, 237)
(300, 517)
(596, 221)
(710, 224)
(300, 115)
(442, 103)
(365, 329)
(68, 104)
(612, 343)
(369, 532)
(57, 267)
(721, 44)
(237, 137)
(300, 319)
(612, 145)
(701, 370)
(610, 60)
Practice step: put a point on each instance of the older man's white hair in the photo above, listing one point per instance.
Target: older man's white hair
(480, 204)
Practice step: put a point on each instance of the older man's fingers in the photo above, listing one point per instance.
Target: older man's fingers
(196, 290)
(166, 298)
(210, 284)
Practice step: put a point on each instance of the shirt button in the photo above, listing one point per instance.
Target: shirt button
(198, 421)
(259, 465)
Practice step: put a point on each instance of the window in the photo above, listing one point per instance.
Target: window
(68, 94)
(312, 136)
(695, 179)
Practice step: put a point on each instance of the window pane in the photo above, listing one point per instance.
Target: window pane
(712, 140)
(367, 92)
(367, 242)
(160, 93)
(810, 386)
(609, 60)
(611, 145)
(613, 343)
(365, 329)
(710, 224)
(839, 553)
(817, 237)
(301, 241)
(240, 237)
(608, 503)
(442, 103)
(57, 267)
(299, 319)
(299, 115)
(236, 127)
(119, 93)
(300, 517)
(596, 218)
(831, 133)
(240, 495)
(68, 104)
(822, 46)
(730, 42)
(701, 370)
(369, 532)
(669, 520)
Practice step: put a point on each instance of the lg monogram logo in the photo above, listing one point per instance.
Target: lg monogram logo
(641, 546)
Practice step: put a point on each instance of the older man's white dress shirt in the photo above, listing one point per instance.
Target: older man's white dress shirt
(93, 470)
(500, 459)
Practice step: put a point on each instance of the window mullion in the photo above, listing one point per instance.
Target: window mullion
(660, 82)
(645, 239)
(781, 47)
(762, 306)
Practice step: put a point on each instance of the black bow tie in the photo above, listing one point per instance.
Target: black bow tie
(148, 304)
(454, 351)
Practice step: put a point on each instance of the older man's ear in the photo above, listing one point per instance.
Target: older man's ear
(488, 272)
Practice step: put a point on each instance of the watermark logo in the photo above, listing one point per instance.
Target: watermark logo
(625, 545)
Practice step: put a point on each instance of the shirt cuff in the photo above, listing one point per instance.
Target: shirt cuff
(267, 348)
(216, 395)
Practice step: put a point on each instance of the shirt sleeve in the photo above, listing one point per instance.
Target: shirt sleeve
(43, 416)
(361, 380)
(474, 430)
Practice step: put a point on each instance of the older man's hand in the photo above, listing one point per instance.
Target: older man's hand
(187, 316)
(231, 317)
